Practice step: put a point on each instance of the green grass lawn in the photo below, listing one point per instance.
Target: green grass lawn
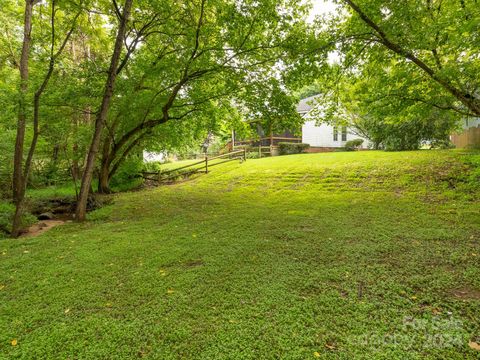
(336, 256)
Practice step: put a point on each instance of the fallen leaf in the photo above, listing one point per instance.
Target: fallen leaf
(14, 342)
(316, 354)
(413, 297)
(473, 345)
(26, 251)
(330, 347)
(170, 291)
(67, 311)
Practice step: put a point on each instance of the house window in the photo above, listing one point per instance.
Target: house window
(344, 133)
(335, 134)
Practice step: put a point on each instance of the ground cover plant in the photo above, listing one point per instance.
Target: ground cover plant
(334, 255)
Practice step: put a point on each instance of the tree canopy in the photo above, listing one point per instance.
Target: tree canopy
(86, 85)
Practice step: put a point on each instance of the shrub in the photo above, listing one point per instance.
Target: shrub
(152, 166)
(285, 148)
(442, 144)
(354, 144)
(7, 210)
(252, 154)
(126, 178)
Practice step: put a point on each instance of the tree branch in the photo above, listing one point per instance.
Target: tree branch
(467, 99)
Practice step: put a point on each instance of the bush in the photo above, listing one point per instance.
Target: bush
(7, 210)
(6, 215)
(152, 166)
(354, 144)
(126, 178)
(442, 144)
(285, 148)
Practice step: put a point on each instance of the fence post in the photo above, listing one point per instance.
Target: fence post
(260, 151)
(206, 164)
(245, 153)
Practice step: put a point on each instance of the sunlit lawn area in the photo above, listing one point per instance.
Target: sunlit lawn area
(335, 256)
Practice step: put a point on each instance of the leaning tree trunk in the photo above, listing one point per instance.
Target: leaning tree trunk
(19, 180)
(101, 117)
(104, 178)
(103, 175)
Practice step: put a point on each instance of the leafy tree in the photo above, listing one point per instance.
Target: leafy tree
(21, 166)
(376, 104)
(116, 65)
(219, 59)
(434, 40)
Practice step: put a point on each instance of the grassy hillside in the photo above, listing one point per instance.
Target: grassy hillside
(335, 256)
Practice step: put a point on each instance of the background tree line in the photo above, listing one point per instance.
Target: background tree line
(86, 85)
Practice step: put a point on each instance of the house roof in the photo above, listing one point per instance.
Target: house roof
(305, 105)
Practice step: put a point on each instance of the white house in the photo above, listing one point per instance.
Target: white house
(149, 156)
(323, 135)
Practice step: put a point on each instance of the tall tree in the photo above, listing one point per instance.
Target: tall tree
(21, 166)
(102, 114)
(18, 175)
(219, 56)
(438, 38)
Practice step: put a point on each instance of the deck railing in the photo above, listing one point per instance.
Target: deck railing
(267, 141)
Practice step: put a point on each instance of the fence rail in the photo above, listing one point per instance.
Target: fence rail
(193, 168)
(469, 138)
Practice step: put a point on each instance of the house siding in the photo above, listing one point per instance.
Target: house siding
(322, 135)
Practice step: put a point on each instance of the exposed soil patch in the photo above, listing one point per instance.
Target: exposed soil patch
(42, 227)
(57, 211)
(64, 207)
(466, 293)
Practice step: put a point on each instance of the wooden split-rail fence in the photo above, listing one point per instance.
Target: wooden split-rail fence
(202, 166)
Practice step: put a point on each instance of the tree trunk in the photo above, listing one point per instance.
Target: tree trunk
(22, 170)
(104, 178)
(18, 177)
(102, 114)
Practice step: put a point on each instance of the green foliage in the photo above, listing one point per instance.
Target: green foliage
(127, 176)
(401, 99)
(253, 154)
(371, 109)
(216, 69)
(309, 90)
(7, 211)
(6, 214)
(286, 148)
(152, 166)
(442, 37)
(7, 141)
(354, 144)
